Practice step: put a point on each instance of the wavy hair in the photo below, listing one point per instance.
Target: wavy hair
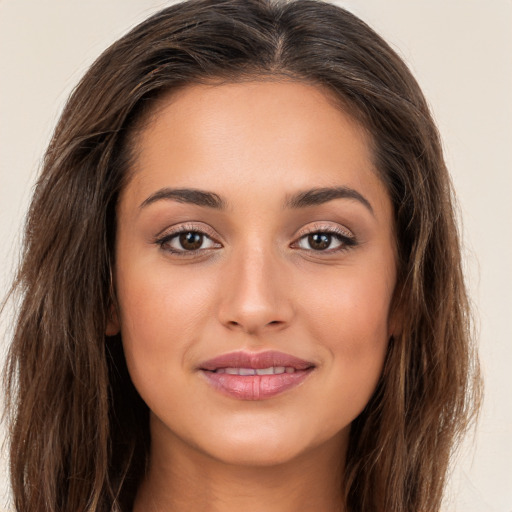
(79, 431)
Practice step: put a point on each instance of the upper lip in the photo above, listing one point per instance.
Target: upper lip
(255, 360)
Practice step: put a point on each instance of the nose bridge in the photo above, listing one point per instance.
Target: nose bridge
(255, 293)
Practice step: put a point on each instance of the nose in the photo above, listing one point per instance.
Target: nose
(256, 293)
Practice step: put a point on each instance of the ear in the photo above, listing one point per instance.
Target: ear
(113, 326)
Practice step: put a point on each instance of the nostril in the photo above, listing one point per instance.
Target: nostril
(241, 325)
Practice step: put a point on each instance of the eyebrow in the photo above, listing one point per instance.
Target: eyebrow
(312, 197)
(186, 195)
(323, 195)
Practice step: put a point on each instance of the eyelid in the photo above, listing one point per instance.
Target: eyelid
(334, 228)
(200, 227)
(345, 236)
(170, 232)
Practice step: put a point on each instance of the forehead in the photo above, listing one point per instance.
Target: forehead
(276, 135)
(265, 103)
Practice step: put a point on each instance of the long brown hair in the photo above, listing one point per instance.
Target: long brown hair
(79, 431)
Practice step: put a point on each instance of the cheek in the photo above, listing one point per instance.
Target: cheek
(156, 299)
(349, 317)
(351, 304)
(161, 313)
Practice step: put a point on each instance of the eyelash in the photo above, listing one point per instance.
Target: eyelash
(345, 239)
(181, 230)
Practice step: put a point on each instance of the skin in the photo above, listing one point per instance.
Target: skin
(254, 284)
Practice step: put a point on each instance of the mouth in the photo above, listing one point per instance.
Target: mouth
(271, 370)
(255, 376)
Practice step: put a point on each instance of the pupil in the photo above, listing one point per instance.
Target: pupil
(319, 241)
(191, 241)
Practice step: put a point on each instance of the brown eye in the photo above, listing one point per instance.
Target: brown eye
(187, 241)
(319, 241)
(191, 240)
(326, 241)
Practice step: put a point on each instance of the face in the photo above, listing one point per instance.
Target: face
(255, 266)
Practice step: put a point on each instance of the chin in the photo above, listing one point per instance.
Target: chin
(261, 453)
(269, 446)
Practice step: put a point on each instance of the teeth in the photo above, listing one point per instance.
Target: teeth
(265, 371)
(272, 370)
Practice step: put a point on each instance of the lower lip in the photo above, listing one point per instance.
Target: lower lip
(255, 387)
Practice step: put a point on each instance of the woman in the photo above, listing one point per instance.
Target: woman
(241, 284)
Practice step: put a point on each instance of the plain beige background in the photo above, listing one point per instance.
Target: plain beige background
(461, 53)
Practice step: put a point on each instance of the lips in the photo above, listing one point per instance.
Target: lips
(255, 376)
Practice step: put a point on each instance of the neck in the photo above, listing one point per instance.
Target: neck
(181, 478)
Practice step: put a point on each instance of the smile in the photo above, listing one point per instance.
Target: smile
(255, 376)
(272, 370)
